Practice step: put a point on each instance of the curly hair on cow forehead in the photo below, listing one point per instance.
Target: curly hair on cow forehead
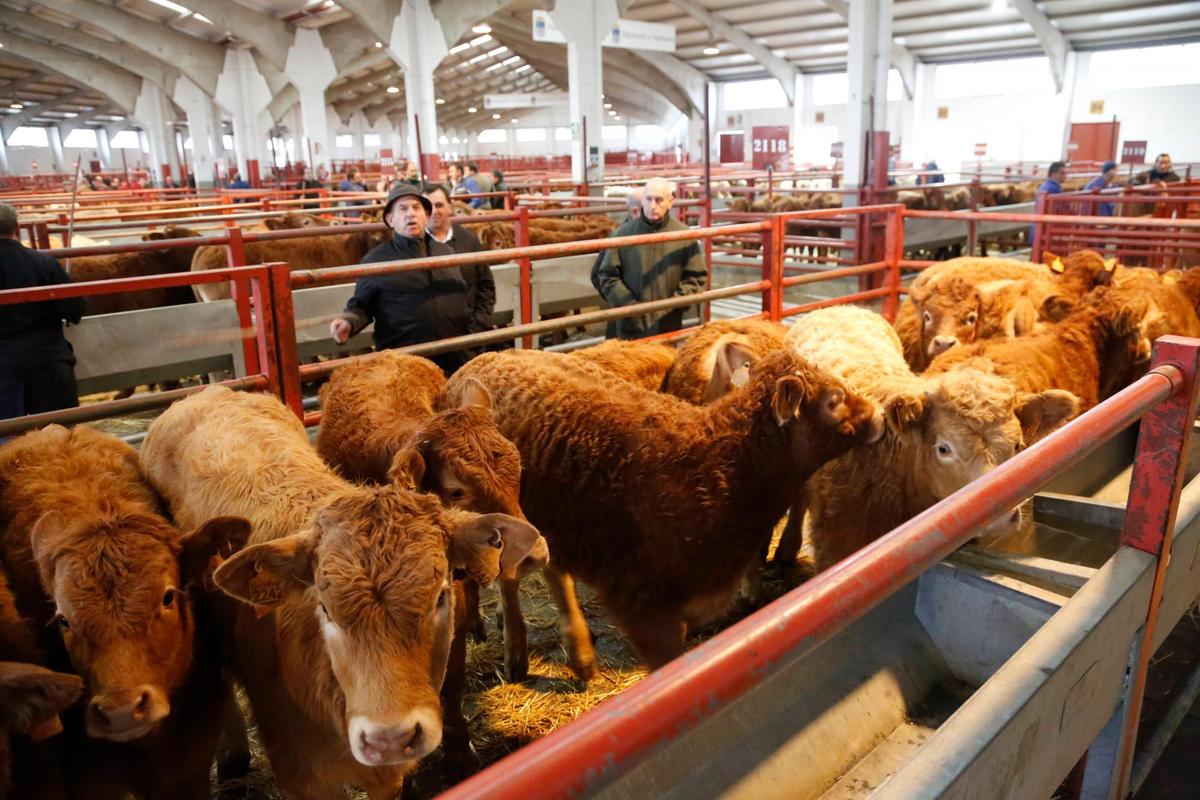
(381, 556)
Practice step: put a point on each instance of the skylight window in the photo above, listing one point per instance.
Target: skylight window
(478, 40)
(178, 9)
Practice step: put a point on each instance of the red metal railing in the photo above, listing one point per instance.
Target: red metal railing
(602, 745)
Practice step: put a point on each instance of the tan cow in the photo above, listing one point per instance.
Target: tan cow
(705, 366)
(343, 639)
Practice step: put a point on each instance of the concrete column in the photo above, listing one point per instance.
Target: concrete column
(870, 29)
(104, 148)
(243, 92)
(418, 44)
(3, 149)
(151, 113)
(585, 23)
(311, 69)
(54, 139)
(916, 146)
(1075, 86)
(204, 126)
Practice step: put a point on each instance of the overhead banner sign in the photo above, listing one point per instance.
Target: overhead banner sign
(769, 146)
(525, 99)
(981, 148)
(1133, 152)
(630, 34)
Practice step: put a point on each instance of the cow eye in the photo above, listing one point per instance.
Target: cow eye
(324, 610)
(456, 495)
(971, 318)
(62, 622)
(168, 598)
(944, 450)
(928, 318)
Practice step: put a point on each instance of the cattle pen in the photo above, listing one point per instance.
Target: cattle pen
(1048, 696)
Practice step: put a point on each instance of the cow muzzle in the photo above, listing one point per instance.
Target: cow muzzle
(941, 344)
(415, 736)
(128, 714)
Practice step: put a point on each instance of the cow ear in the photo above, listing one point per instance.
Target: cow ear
(1041, 413)
(264, 574)
(1057, 266)
(273, 223)
(206, 547)
(729, 370)
(44, 537)
(1110, 264)
(473, 393)
(32, 698)
(154, 236)
(408, 468)
(790, 391)
(905, 410)
(1056, 307)
(487, 545)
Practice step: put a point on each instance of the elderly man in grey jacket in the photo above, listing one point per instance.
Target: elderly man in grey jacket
(640, 273)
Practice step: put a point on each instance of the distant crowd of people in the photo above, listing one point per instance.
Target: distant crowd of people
(1161, 173)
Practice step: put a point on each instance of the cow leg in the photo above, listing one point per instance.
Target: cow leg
(474, 619)
(124, 394)
(461, 759)
(581, 656)
(233, 748)
(516, 645)
(793, 532)
(659, 639)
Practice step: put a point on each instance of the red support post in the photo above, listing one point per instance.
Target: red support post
(972, 234)
(893, 252)
(287, 363)
(521, 226)
(1164, 442)
(772, 268)
(43, 235)
(1039, 230)
(242, 303)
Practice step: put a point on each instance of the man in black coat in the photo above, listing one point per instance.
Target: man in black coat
(481, 286)
(37, 364)
(408, 307)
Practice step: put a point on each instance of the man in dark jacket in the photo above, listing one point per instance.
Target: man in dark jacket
(408, 307)
(1161, 173)
(481, 286)
(37, 364)
(641, 273)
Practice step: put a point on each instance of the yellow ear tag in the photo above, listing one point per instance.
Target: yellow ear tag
(1057, 266)
(1110, 265)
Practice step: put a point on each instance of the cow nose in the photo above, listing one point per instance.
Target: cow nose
(392, 744)
(124, 715)
(941, 344)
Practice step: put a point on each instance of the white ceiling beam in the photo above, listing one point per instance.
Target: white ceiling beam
(457, 16)
(14, 86)
(142, 64)
(902, 58)
(118, 85)
(29, 113)
(200, 60)
(779, 68)
(283, 102)
(1053, 43)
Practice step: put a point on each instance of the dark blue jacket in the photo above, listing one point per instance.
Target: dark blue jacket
(23, 324)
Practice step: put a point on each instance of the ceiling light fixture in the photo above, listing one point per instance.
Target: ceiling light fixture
(441, 101)
(379, 44)
(482, 27)
(472, 110)
(711, 50)
(495, 116)
(393, 90)
(478, 40)
(458, 48)
(16, 106)
(608, 105)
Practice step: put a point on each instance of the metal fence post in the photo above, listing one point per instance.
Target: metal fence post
(1164, 440)
(525, 266)
(893, 247)
(1039, 230)
(772, 267)
(287, 358)
(972, 232)
(241, 292)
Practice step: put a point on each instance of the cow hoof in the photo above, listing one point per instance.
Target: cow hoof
(516, 669)
(584, 671)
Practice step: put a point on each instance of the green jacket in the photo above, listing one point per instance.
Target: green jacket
(640, 273)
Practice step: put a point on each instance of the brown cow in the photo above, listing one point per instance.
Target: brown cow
(659, 505)
(344, 675)
(642, 363)
(305, 252)
(137, 265)
(94, 565)
(705, 367)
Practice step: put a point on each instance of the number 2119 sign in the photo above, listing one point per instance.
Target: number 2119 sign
(770, 145)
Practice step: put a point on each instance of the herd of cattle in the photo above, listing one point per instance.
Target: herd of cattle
(336, 583)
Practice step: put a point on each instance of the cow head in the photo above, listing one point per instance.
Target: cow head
(121, 588)
(949, 312)
(460, 455)
(31, 698)
(961, 424)
(372, 580)
(820, 415)
(1087, 267)
(293, 220)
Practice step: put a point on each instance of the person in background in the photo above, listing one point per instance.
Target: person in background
(37, 364)
(308, 182)
(323, 174)
(1052, 185)
(481, 286)
(461, 183)
(484, 179)
(498, 185)
(1160, 173)
(352, 182)
(412, 175)
(636, 274)
(633, 210)
(408, 307)
(236, 181)
(934, 176)
(1108, 174)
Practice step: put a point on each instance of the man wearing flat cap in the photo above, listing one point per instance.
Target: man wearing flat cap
(408, 307)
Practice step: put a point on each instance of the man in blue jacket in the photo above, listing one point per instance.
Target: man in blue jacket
(1108, 174)
(409, 307)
